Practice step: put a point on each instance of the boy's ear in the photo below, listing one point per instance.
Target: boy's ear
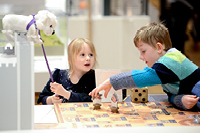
(160, 47)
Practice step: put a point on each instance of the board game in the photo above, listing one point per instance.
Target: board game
(82, 115)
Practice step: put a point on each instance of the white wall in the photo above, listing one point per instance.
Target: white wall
(113, 39)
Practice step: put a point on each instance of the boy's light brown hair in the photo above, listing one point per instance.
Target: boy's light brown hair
(75, 47)
(153, 33)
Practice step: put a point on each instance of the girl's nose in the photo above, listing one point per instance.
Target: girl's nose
(88, 57)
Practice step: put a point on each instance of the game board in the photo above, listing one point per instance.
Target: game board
(79, 115)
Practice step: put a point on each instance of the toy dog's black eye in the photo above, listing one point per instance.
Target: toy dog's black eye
(51, 26)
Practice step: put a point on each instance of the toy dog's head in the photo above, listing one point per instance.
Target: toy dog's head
(46, 21)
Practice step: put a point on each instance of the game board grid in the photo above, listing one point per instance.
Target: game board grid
(79, 115)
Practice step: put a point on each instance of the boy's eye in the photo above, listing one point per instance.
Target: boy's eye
(143, 51)
(51, 26)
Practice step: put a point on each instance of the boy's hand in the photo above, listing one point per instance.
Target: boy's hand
(189, 101)
(106, 86)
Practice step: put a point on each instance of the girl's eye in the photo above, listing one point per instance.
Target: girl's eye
(143, 51)
(51, 26)
(82, 54)
(90, 54)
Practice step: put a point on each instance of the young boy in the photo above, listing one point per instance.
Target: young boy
(178, 76)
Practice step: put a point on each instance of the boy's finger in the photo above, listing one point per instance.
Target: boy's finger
(106, 94)
(92, 93)
(95, 93)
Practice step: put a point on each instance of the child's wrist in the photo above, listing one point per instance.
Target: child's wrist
(67, 95)
(108, 83)
(49, 100)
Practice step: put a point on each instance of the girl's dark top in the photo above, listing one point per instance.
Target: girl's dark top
(79, 91)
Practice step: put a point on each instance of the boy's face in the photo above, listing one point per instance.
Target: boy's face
(148, 53)
(84, 60)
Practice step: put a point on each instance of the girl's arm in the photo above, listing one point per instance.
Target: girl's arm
(46, 92)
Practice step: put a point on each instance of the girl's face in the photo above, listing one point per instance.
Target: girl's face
(150, 54)
(84, 60)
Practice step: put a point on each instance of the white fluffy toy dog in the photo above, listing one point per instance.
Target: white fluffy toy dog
(44, 20)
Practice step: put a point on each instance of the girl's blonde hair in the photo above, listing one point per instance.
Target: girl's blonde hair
(75, 47)
(153, 33)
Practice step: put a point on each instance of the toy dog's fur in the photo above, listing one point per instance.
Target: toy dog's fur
(45, 21)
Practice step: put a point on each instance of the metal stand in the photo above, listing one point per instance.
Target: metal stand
(17, 87)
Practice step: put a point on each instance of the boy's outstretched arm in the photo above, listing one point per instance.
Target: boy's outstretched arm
(106, 86)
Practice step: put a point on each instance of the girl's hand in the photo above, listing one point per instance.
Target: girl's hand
(189, 101)
(56, 99)
(53, 99)
(57, 88)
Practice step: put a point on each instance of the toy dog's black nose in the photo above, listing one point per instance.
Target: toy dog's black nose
(53, 32)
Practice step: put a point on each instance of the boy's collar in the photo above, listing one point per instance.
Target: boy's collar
(171, 50)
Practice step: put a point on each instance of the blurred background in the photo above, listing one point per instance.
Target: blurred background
(111, 26)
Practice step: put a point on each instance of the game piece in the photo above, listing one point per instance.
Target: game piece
(97, 101)
(196, 121)
(114, 106)
(139, 95)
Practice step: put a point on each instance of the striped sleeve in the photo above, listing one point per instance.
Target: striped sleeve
(145, 77)
(122, 81)
(135, 79)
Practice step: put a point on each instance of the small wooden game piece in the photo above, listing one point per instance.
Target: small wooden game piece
(139, 95)
(97, 102)
(114, 106)
(96, 106)
(114, 110)
(196, 121)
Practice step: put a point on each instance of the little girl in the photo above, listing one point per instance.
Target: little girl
(75, 83)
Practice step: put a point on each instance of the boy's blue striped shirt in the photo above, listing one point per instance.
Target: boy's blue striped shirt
(178, 68)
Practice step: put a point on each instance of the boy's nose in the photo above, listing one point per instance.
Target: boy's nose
(141, 57)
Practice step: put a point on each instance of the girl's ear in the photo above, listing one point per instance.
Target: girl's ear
(160, 47)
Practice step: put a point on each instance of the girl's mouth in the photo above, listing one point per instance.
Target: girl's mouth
(87, 65)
